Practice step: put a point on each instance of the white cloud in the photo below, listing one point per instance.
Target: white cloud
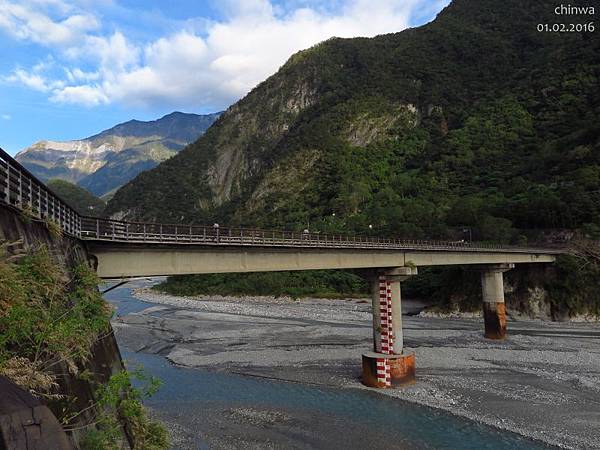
(6, 116)
(89, 95)
(77, 75)
(113, 53)
(35, 78)
(27, 21)
(30, 80)
(213, 69)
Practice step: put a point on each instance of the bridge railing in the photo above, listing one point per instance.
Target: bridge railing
(19, 188)
(140, 232)
(22, 190)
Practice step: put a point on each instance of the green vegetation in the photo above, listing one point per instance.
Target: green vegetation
(53, 227)
(575, 288)
(133, 147)
(417, 133)
(119, 401)
(50, 317)
(471, 122)
(77, 197)
(314, 283)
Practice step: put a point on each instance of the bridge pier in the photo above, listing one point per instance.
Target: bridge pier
(387, 365)
(494, 311)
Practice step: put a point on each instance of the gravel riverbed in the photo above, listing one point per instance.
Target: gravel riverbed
(542, 382)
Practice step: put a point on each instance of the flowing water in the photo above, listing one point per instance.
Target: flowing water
(201, 400)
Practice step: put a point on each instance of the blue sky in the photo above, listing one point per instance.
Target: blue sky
(72, 68)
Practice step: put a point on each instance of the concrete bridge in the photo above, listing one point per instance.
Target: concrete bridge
(124, 249)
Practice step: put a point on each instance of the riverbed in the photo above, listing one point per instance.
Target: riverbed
(278, 373)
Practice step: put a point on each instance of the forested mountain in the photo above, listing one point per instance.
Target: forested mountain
(476, 119)
(77, 197)
(104, 162)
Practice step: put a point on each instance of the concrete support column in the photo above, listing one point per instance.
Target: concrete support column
(494, 311)
(387, 365)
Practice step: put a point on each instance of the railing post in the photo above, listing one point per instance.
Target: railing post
(144, 232)
(20, 192)
(39, 208)
(30, 194)
(7, 189)
(127, 231)
(191, 240)
(113, 231)
(161, 232)
(175, 233)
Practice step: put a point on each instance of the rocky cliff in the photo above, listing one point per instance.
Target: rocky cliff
(103, 162)
(472, 120)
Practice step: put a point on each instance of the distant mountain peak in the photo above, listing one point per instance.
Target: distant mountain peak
(103, 162)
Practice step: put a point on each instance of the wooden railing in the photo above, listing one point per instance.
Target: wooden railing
(22, 190)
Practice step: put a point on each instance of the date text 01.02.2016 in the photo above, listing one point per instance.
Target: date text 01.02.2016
(566, 27)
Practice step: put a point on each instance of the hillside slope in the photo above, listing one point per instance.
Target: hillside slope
(104, 162)
(476, 119)
(77, 197)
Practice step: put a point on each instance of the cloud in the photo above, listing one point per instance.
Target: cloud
(211, 68)
(6, 116)
(35, 79)
(88, 95)
(27, 21)
(29, 79)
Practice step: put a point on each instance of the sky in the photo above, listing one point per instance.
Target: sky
(72, 68)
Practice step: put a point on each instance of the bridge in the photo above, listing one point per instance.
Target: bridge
(125, 249)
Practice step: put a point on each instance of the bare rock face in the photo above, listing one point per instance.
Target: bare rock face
(538, 302)
(104, 162)
(245, 136)
(70, 161)
(368, 126)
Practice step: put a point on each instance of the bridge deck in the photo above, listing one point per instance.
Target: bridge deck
(125, 249)
(122, 259)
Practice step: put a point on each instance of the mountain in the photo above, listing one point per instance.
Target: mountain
(474, 120)
(77, 197)
(103, 162)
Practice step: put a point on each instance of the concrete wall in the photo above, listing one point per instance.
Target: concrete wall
(105, 359)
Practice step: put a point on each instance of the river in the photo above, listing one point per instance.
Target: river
(210, 409)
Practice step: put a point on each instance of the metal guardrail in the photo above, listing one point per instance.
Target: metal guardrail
(22, 190)
(157, 233)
